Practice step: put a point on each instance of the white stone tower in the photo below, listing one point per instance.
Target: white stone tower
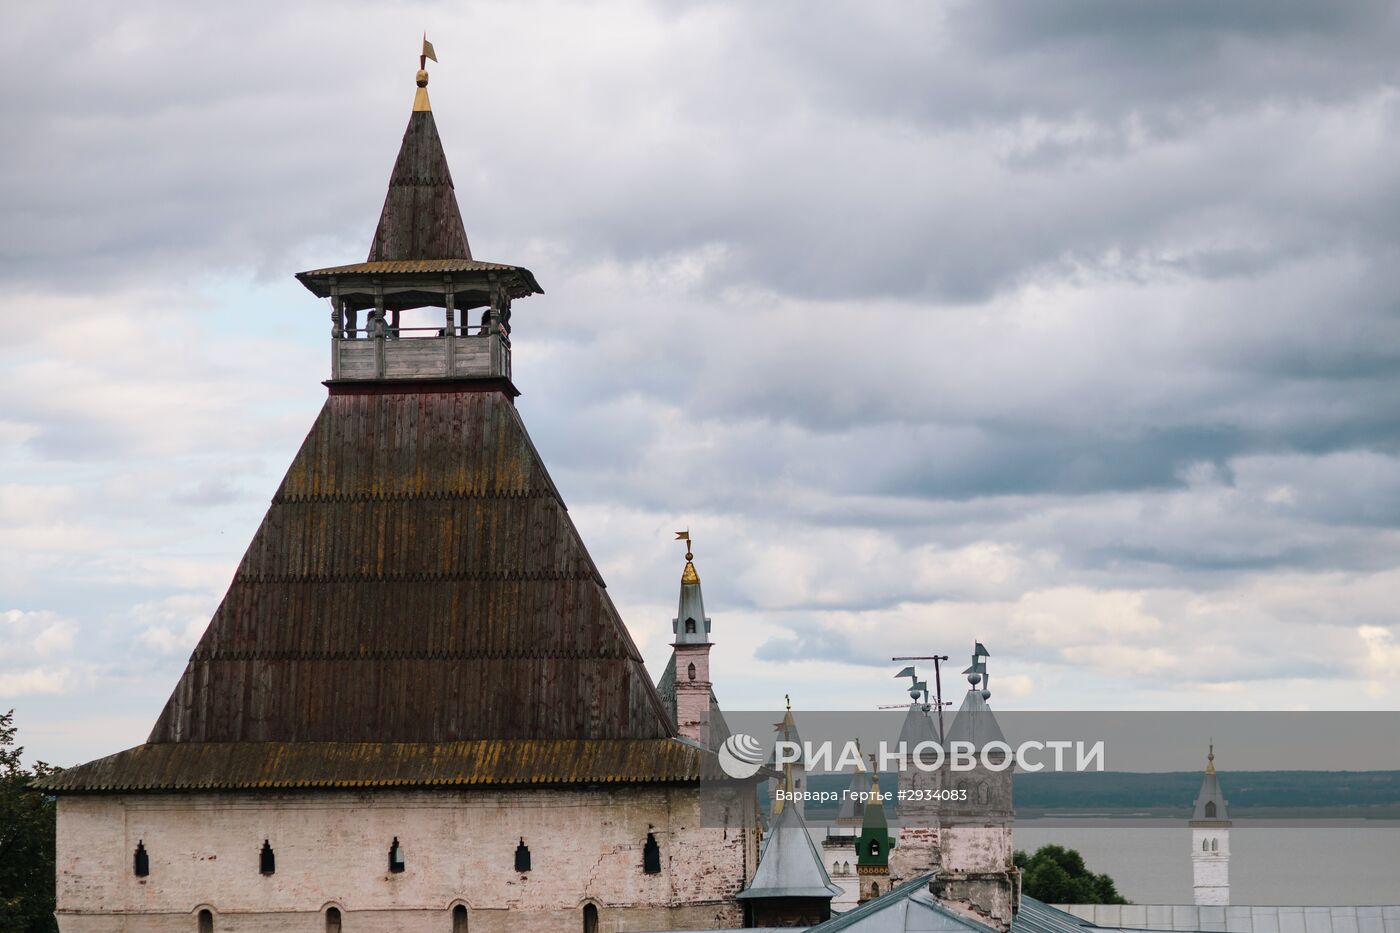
(976, 875)
(918, 851)
(1210, 841)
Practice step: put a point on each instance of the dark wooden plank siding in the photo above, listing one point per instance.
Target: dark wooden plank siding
(416, 579)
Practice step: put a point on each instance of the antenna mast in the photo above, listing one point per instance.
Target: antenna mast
(937, 683)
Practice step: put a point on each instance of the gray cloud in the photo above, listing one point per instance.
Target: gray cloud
(1069, 326)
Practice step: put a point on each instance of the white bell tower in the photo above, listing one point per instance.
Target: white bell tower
(1210, 841)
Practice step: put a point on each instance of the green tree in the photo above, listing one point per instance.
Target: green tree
(1057, 875)
(26, 841)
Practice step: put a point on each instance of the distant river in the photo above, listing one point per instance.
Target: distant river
(1319, 866)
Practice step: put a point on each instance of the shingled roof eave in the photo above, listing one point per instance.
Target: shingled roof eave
(275, 766)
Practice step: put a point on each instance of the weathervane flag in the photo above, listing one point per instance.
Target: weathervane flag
(682, 536)
(428, 49)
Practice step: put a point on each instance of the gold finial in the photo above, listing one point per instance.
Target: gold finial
(688, 575)
(420, 99)
(788, 698)
(874, 777)
(1210, 758)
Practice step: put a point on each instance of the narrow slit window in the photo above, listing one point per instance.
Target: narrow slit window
(267, 861)
(332, 920)
(1205, 845)
(395, 856)
(1215, 845)
(651, 856)
(459, 919)
(590, 918)
(141, 862)
(522, 857)
(874, 889)
(206, 921)
(690, 671)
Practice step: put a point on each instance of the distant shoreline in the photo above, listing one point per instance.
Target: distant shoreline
(1259, 797)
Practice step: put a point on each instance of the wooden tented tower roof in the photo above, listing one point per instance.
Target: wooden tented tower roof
(416, 579)
(420, 235)
(417, 608)
(416, 591)
(420, 219)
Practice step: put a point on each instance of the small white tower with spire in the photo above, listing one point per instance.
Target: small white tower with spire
(1210, 841)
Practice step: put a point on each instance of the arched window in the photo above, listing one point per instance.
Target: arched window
(690, 671)
(1210, 810)
(459, 919)
(590, 918)
(874, 847)
(874, 889)
(522, 856)
(267, 861)
(845, 868)
(206, 921)
(836, 867)
(651, 856)
(141, 862)
(1215, 845)
(690, 626)
(1205, 845)
(332, 920)
(395, 856)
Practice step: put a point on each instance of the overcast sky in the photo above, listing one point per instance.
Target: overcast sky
(1070, 327)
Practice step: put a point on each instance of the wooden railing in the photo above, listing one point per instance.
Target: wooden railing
(391, 332)
(381, 352)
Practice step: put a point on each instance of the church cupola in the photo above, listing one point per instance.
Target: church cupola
(420, 258)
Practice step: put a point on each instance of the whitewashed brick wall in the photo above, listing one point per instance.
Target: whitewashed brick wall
(332, 848)
(1210, 868)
